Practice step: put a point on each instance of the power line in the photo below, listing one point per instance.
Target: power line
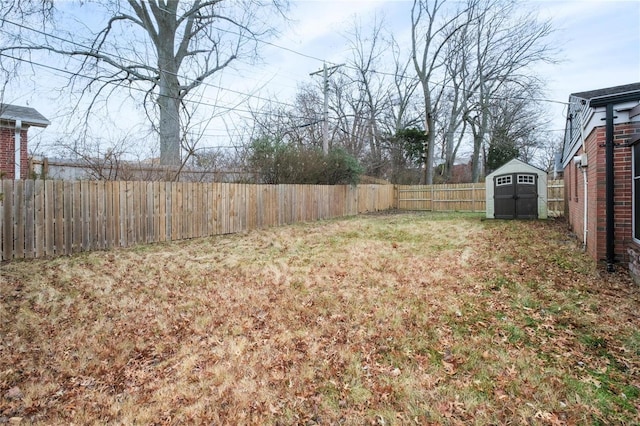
(247, 95)
(122, 59)
(251, 95)
(267, 43)
(204, 83)
(192, 101)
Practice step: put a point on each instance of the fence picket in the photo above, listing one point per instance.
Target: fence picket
(122, 215)
(216, 197)
(93, 216)
(77, 216)
(159, 211)
(58, 219)
(67, 190)
(198, 206)
(38, 206)
(18, 219)
(179, 212)
(49, 212)
(152, 211)
(130, 218)
(29, 242)
(8, 209)
(168, 217)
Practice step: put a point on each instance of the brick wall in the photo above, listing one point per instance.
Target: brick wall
(622, 192)
(597, 189)
(573, 180)
(7, 152)
(596, 177)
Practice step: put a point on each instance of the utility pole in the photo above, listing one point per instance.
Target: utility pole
(325, 89)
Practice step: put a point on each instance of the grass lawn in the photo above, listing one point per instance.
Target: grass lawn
(385, 319)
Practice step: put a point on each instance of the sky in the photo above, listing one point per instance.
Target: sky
(599, 43)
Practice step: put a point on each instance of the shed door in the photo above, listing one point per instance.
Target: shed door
(516, 196)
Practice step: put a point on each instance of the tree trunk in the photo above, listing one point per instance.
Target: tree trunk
(169, 106)
(169, 93)
(428, 169)
(449, 154)
(478, 139)
(475, 159)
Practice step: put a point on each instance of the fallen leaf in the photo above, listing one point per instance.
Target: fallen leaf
(14, 393)
(449, 368)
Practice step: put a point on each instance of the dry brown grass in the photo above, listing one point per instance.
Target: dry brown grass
(393, 319)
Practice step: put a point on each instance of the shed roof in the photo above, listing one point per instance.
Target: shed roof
(27, 115)
(515, 165)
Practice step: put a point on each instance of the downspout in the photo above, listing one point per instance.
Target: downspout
(586, 205)
(18, 149)
(609, 188)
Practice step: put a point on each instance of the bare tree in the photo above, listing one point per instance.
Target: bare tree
(506, 45)
(298, 123)
(98, 158)
(368, 49)
(515, 121)
(551, 149)
(306, 119)
(23, 9)
(455, 99)
(432, 26)
(351, 118)
(167, 49)
(403, 111)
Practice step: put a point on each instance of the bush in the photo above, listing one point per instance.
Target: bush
(341, 168)
(279, 163)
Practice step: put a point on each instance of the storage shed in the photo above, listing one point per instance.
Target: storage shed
(517, 190)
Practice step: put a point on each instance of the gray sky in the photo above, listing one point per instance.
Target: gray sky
(599, 42)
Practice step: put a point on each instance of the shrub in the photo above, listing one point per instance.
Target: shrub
(279, 163)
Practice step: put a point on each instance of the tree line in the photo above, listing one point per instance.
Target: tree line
(400, 108)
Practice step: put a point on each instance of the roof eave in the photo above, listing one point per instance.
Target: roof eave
(28, 122)
(34, 123)
(618, 98)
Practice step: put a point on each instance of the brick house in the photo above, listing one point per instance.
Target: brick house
(14, 126)
(601, 163)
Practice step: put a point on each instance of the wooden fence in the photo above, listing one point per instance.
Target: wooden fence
(555, 197)
(465, 197)
(51, 218)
